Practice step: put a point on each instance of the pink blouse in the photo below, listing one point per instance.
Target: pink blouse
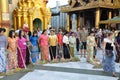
(22, 43)
(43, 40)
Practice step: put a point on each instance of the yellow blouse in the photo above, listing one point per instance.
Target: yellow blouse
(53, 40)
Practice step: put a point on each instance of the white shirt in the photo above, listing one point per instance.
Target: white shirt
(65, 39)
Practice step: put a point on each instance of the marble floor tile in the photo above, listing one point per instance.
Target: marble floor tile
(50, 75)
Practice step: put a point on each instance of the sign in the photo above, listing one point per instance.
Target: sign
(5, 17)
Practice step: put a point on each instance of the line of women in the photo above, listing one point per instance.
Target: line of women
(19, 48)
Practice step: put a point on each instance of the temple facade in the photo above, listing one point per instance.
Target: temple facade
(32, 12)
(89, 13)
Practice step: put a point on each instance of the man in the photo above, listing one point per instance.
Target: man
(83, 40)
(38, 32)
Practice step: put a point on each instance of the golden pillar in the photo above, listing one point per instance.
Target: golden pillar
(45, 27)
(0, 16)
(24, 18)
(15, 25)
(97, 20)
(5, 13)
(30, 23)
(68, 22)
(19, 21)
(78, 21)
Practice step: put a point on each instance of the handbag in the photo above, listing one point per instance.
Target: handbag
(109, 53)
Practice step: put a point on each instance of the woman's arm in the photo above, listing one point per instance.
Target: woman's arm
(104, 45)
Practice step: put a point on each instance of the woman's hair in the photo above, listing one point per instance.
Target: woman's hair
(66, 32)
(44, 31)
(109, 34)
(2, 29)
(10, 33)
(20, 34)
(92, 32)
(35, 32)
(29, 33)
(60, 30)
(71, 33)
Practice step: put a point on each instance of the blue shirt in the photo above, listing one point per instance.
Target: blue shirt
(34, 40)
(118, 40)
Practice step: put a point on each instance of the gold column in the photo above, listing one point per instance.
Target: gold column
(68, 22)
(15, 25)
(78, 21)
(97, 18)
(43, 26)
(0, 16)
(29, 3)
(30, 23)
(4, 9)
(19, 21)
(25, 19)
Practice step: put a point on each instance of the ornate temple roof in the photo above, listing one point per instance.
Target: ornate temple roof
(79, 5)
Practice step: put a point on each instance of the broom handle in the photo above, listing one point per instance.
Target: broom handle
(69, 51)
(22, 58)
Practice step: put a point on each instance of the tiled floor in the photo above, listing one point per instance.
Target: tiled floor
(50, 75)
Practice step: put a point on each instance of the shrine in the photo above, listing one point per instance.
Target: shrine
(32, 12)
(89, 13)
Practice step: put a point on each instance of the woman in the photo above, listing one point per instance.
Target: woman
(66, 46)
(72, 41)
(90, 47)
(3, 47)
(43, 43)
(109, 55)
(53, 43)
(34, 48)
(118, 48)
(27, 34)
(21, 49)
(60, 44)
(12, 47)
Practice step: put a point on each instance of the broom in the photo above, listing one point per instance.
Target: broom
(69, 54)
(22, 58)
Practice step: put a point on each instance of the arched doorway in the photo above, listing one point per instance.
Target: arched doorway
(37, 23)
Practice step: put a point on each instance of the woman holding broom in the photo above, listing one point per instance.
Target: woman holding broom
(12, 47)
(66, 46)
(43, 43)
(72, 42)
(21, 50)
